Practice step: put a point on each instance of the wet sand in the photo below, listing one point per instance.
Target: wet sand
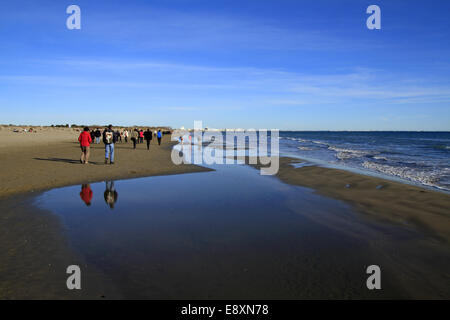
(413, 207)
(49, 158)
(234, 234)
(34, 255)
(33, 248)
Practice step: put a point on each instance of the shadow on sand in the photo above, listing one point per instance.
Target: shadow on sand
(64, 160)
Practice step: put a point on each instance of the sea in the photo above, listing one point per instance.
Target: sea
(421, 158)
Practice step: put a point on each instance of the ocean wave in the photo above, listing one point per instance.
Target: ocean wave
(319, 142)
(304, 148)
(297, 139)
(441, 147)
(380, 158)
(425, 178)
(343, 154)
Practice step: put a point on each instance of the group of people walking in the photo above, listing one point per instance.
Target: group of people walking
(110, 137)
(138, 136)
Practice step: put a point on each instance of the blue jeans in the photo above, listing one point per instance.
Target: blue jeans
(109, 150)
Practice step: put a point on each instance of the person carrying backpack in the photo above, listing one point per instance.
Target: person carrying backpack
(109, 138)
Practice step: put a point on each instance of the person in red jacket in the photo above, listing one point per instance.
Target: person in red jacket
(86, 194)
(85, 143)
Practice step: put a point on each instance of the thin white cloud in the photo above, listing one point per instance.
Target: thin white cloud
(263, 85)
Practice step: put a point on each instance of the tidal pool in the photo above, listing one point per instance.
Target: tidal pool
(234, 234)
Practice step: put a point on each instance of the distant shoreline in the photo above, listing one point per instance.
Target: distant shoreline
(170, 127)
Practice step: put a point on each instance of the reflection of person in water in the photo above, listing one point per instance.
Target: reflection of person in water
(86, 194)
(110, 194)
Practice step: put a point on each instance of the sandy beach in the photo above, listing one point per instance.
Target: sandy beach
(49, 158)
(126, 135)
(34, 253)
(32, 244)
(220, 237)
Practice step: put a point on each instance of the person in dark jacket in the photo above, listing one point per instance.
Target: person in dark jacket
(109, 139)
(117, 136)
(148, 137)
(98, 135)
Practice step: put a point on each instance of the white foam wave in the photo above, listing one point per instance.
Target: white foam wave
(426, 178)
(342, 153)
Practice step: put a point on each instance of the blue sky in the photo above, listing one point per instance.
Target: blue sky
(306, 65)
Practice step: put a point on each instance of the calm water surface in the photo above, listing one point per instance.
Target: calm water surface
(232, 233)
